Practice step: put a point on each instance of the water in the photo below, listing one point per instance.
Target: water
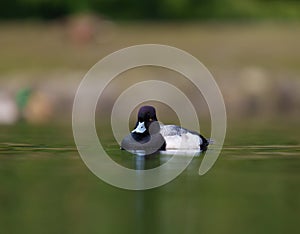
(46, 188)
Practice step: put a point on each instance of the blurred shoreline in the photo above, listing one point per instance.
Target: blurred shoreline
(256, 66)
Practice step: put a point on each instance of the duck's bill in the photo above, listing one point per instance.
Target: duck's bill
(140, 128)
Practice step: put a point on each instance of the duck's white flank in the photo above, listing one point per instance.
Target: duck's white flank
(184, 141)
(180, 138)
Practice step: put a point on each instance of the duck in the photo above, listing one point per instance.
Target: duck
(151, 136)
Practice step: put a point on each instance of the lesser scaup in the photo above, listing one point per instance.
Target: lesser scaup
(150, 135)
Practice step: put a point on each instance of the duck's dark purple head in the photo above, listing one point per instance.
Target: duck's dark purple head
(146, 116)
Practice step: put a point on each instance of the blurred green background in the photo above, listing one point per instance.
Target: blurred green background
(252, 49)
(154, 10)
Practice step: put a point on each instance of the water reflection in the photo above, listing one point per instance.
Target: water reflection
(235, 193)
(141, 161)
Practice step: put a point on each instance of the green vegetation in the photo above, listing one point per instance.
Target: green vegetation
(155, 9)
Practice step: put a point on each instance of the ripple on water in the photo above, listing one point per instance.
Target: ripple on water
(262, 151)
(10, 148)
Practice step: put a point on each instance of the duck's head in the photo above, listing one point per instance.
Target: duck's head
(146, 134)
(146, 116)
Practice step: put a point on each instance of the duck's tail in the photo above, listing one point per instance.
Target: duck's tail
(204, 144)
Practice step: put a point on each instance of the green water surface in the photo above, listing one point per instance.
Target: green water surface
(45, 187)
